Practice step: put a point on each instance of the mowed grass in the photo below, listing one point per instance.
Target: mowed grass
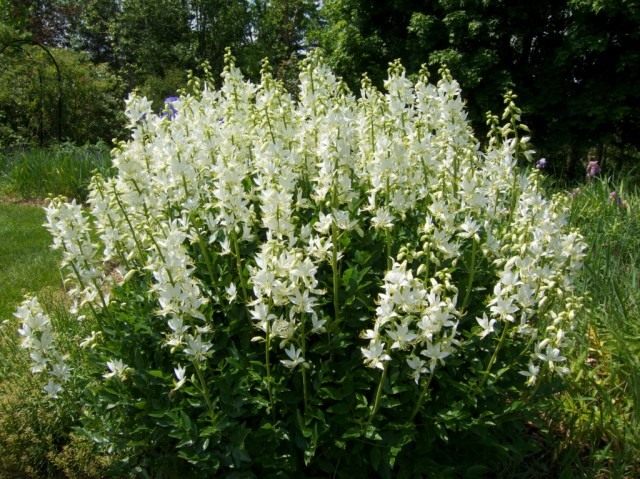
(27, 264)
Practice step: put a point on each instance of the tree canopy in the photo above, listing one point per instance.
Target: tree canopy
(574, 63)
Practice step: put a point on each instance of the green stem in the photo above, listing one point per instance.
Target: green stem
(472, 272)
(494, 355)
(273, 139)
(205, 392)
(93, 310)
(455, 174)
(334, 240)
(267, 362)
(118, 244)
(334, 269)
(514, 195)
(236, 253)
(305, 387)
(207, 259)
(155, 243)
(305, 390)
(126, 218)
(376, 403)
(421, 398)
(387, 240)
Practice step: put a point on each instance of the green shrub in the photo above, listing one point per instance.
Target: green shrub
(323, 287)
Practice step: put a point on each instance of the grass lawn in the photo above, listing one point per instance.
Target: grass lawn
(26, 262)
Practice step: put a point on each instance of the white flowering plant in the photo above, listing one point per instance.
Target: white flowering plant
(276, 284)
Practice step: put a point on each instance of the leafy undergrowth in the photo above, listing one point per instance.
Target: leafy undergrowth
(597, 419)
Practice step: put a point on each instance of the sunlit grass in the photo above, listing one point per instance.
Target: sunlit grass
(26, 262)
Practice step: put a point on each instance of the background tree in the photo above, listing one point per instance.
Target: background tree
(573, 63)
(49, 22)
(31, 87)
(361, 36)
(152, 44)
(280, 30)
(219, 24)
(97, 29)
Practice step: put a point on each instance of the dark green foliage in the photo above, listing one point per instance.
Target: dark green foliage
(148, 38)
(220, 422)
(56, 94)
(281, 28)
(574, 64)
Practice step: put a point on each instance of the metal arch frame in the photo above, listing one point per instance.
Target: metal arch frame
(17, 44)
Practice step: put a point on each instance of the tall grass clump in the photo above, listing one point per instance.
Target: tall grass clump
(64, 169)
(316, 286)
(599, 411)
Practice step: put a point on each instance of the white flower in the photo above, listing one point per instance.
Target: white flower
(294, 355)
(317, 325)
(504, 308)
(179, 372)
(343, 222)
(469, 229)
(91, 340)
(232, 292)
(137, 109)
(302, 301)
(374, 355)
(225, 244)
(53, 389)
(418, 367)
(551, 355)
(39, 361)
(531, 373)
(435, 352)
(177, 325)
(196, 348)
(61, 371)
(117, 369)
(401, 336)
(324, 223)
(383, 219)
(486, 324)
